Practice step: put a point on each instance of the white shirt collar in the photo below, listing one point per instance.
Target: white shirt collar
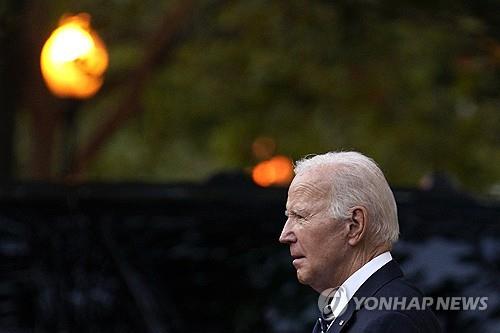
(354, 282)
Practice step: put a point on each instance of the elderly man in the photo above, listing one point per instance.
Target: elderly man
(342, 222)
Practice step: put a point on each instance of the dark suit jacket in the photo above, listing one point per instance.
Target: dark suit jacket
(386, 282)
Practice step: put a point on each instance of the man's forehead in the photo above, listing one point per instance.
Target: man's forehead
(321, 175)
(315, 183)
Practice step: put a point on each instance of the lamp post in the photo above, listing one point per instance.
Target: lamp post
(73, 62)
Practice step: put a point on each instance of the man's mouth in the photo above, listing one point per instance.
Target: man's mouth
(297, 260)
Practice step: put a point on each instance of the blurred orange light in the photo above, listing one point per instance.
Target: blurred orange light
(74, 59)
(277, 171)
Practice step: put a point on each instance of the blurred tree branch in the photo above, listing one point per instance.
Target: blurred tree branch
(162, 42)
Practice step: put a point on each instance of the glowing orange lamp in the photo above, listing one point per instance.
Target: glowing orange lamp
(74, 59)
(73, 62)
(278, 171)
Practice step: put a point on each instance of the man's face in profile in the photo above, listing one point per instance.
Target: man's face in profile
(316, 240)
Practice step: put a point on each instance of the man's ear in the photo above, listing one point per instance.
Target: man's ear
(357, 225)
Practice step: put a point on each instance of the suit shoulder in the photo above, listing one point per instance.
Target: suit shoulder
(400, 293)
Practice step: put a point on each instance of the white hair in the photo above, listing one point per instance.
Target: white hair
(358, 181)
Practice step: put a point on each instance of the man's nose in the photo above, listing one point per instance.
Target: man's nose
(287, 235)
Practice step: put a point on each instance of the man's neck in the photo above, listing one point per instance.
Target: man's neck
(360, 258)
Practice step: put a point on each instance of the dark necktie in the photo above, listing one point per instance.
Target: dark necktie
(323, 324)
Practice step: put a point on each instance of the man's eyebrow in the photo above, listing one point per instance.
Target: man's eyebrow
(294, 212)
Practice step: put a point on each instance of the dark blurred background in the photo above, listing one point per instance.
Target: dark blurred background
(146, 208)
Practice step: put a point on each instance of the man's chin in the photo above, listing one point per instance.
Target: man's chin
(306, 279)
(302, 277)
